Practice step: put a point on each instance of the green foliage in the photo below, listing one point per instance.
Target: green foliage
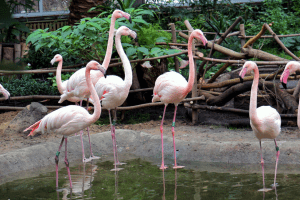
(124, 4)
(11, 27)
(28, 86)
(63, 78)
(292, 43)
(85, 41)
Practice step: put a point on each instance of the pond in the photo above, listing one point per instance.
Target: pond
(141, 179)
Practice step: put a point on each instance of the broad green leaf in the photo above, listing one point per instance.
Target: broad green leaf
(139, 21)
(144, 50)
(171, 51)
(155, 50)
(65, 28)
(81, 26)
(140, 55)
(126, 45)
(130, 51)
(95, 25)
(161, 39)
(145, 12)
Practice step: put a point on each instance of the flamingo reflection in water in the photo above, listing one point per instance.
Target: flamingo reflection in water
(164, 185)
(82, 181)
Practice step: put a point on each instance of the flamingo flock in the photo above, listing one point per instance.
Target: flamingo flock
(91, 84)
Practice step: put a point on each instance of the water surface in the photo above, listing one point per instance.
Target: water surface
(143, 180)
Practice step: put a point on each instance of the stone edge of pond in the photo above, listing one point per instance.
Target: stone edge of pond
(39, 158)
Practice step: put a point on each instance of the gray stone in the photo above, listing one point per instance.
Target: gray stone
(31, 114)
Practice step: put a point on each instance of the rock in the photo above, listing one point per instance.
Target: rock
(31, 114)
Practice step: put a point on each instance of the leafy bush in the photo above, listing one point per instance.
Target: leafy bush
(28, 86)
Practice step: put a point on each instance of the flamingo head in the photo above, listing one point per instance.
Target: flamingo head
(248, 66)
(123, 30)
(119, 14)
(198, 34)
(290, 68)
(56, 58)
(96, 66)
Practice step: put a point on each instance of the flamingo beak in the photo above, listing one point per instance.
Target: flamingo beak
(130, 20)
(283, 85)
(284, 77)
(241, 80)
(242, 74)
(103, 70)
(52, 61)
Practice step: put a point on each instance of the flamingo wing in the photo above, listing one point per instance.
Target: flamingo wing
(269, 121)
(65, 121)
(77, 86)
(169, 88)
(111, 91)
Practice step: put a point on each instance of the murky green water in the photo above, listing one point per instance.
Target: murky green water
(143, 180)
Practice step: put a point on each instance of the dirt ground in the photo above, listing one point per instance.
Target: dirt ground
(19, 141)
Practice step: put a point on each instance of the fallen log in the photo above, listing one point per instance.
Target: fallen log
(255, 53)
(288, 100)
(237, 80)
(220, 48)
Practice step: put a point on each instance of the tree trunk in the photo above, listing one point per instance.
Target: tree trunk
(78, 9)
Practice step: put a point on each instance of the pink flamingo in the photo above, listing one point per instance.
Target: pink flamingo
(77, 86)
(5, 93)
(265, 121)
(70, 119)
(75, 89)
(290, 68)
(113, 90)
(61, 88)
(171, 87)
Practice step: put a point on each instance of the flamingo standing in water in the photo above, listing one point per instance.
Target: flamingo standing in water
(290, 68)
(113, 90)
(76, 87)
(70, 119)
(171, 87)
(265, 121)
(5, 93)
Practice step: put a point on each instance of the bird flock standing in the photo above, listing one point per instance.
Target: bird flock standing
(91, 84)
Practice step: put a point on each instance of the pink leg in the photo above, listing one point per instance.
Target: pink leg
(88, 131)
(173, 134)
(113, 136)
(57, 159)
(162, 140)
(91, 153)
(277, 157)
(262, 165)
(84, 159)
(67, 163)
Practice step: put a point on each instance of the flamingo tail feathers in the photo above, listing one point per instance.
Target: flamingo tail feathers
(33, 128)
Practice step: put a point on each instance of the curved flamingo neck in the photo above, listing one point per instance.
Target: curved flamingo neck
(125, 61)
(58, 78)
(253, 97)
(110, 43)
(192, 65)
(97, 108)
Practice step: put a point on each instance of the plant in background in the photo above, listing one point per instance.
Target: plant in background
(11, 27)
(28, 86)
